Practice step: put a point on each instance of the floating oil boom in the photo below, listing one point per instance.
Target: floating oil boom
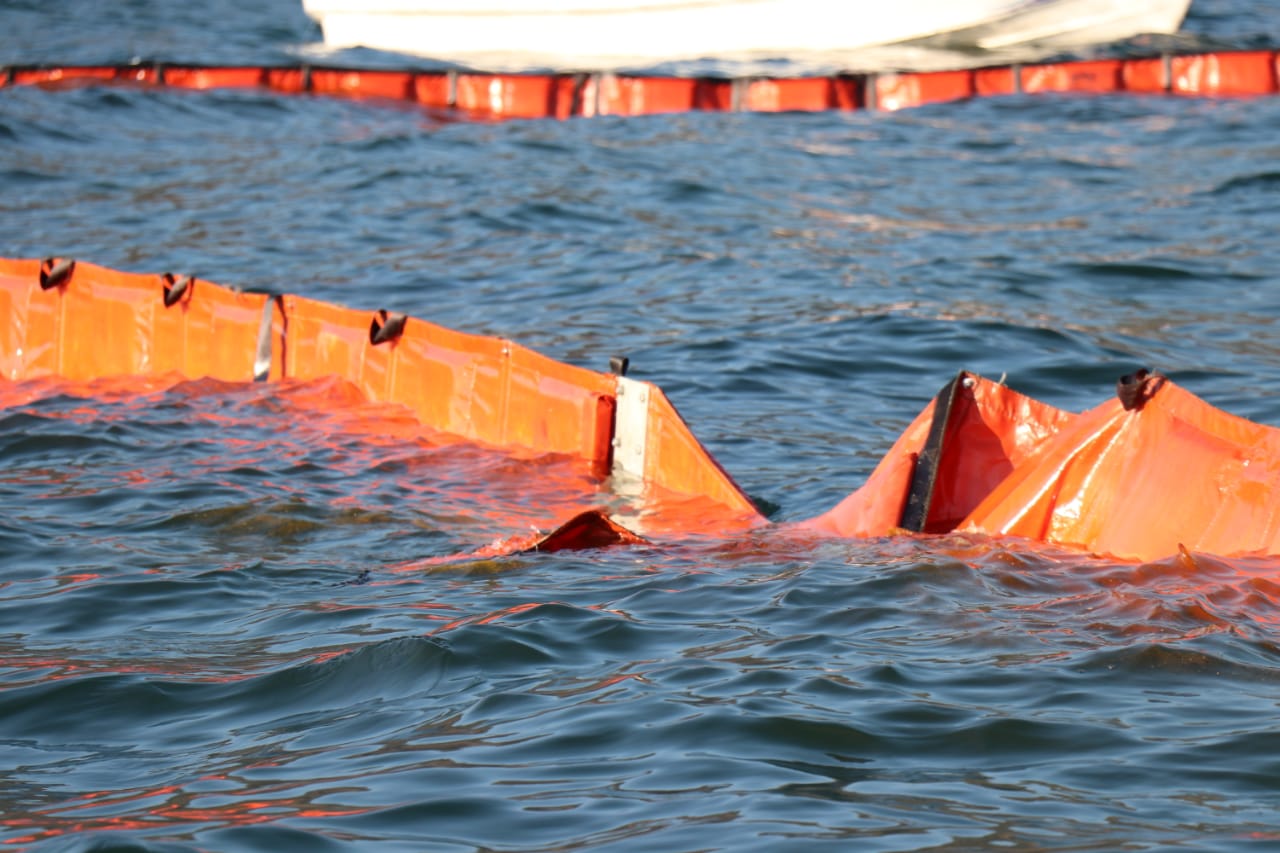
(1150, 472)
(537, 96)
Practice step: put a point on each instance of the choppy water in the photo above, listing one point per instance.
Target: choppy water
(205, 645)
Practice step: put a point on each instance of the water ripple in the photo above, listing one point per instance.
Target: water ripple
(208, 637)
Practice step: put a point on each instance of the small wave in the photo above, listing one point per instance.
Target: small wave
(112, 843)
(1168, 664)
(278, 521)
(30, 177)
(1266, 181)
(1132, 270)
(25, 447)
(539, 634)
(389, 667)
(107, 707)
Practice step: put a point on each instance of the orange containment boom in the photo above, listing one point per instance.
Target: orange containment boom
(1153, 471)
(74, 320)
(1220, 74)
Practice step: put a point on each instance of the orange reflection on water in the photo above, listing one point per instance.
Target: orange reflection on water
(265, 429)
(57, 668)
(1102, 602)
(179, 809)
(487, 618)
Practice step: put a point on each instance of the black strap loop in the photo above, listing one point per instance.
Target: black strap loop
(1135, 389)
(175, 287)
(618, 365)
(386, 327)
(55, 272)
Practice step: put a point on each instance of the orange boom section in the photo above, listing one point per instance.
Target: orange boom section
(534, 96)
(963, 445)
(1141, 477)
(1144, 476)
(1151, 473)
(478, 388)
(78, 321)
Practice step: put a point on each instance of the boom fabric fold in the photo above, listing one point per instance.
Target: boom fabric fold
(1142, 483)
(1138, 478)
(965, 442)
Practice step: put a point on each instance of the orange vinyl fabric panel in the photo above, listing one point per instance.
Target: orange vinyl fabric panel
(432, 90)
(45, 76)
(713, 95)
(990, 82)
(396, 85)
(1146, 75)
(676, 462)
(99, 322)
(899, 91)
(502, 95)
(631, 96)
(989, 431)
(506, 96)
(29, 331)
(1141, 484)
(1211, 74)
(1228, 74)
(479, 388)
(182, 77)
(554, 405)
(1095, 76)
(288, 81)
(801, 95)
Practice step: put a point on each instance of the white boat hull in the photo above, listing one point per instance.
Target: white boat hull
(1074, 23)
(610, 34)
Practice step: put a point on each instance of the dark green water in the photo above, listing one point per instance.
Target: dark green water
(205, 645)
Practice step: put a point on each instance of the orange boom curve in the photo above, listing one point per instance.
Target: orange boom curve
(538, 96)
(981, 458)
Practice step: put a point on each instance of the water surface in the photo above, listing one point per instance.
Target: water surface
(205, 640)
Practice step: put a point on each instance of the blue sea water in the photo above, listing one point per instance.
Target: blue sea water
(205, 645)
